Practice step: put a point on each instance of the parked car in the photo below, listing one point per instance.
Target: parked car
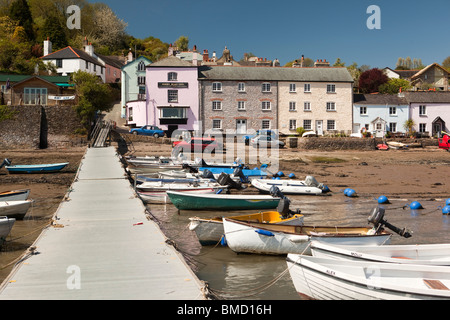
(208, 144)
(148, 131)
(264, 132)
(266, 141)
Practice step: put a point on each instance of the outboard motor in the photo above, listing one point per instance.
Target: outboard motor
(5, 162)
(376, 218)
(284, 205)
(312, 182)
(238, 173)
(225, 180)
(207, 174)
(190, 168)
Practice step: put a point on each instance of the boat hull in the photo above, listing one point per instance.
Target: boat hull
(273, 240)
(6, 225)
(211, 231)
(286, 186)
(329, 279)
(15, 195)
(15, 209)
(161, 196)
(426, 254)
(184, 201)
(39, 168)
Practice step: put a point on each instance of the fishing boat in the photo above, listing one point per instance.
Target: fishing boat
(191, 201)
(260, 238)
(156, 192)
(210, 231)
(6, 225)
(247, 174)
(14, 195)
(37, 168)
(15, 209)
(307, 186)
(330, 279)
(424, 254)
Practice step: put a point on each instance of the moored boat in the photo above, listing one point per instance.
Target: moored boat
(190, 201)
(15, 209)
(14, 195)
(307, 186)
(36, 168)
(6, 225)
(210, 231)
(272, 239)
(330, 279)
(159, 195)
(424, 254)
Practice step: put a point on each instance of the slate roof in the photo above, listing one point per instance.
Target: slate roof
(71, 53)
(428, 97)
(171, 62)
(112, 61)
(379, 99)
(13, 78)
(275, 74)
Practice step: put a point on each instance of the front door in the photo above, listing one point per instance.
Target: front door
(241, 126)
(437, 129)
(319, 127)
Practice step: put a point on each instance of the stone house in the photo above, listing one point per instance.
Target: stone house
(316, 99)
(238, 99)
(432, 75)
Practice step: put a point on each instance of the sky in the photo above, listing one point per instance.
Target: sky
(287, 29)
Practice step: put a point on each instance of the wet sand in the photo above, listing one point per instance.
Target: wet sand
(420, 173)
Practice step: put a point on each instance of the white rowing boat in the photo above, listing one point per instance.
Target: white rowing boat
(307, 186)
(330, 279)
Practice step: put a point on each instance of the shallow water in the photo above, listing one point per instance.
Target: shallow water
(260, 277)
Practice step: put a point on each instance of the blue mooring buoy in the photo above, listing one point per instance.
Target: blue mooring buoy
(446, 210)
(292, 176)
(350, 193)
(415, 205)
(447, 202)
(383, 200)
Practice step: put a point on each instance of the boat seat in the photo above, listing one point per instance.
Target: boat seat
(435, 284)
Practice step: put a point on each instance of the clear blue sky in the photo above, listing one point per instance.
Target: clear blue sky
(287, 29)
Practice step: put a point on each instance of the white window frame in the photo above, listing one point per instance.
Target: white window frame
(393, 126)
(141, 66)
(422, 110)
(172, 76)
(331, 125)
(241, 105)
(216, 105)
(307, 106)
(217, 86)
(217, 121)
(331, 106)
(292, 124)
(31, 98)
(292, 106)
(307, 124)
(172, 96)
(363, 111)
(307, 88)
(266, 105)
(331, 88)
(241, 87)
(422, 127)
(292, 88)
(392, 111)
(266, 87)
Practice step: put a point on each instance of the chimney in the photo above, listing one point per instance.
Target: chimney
(194, 59)
(88, 47)
(214, 56)
(205, 55)
(47, 47)
(130, 56)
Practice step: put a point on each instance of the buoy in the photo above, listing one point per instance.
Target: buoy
(447, 202)
(351, 193)
(325, 189)
(347, 190)
(383, 200)
(280, 174)
(292, 176)
(223, 241)
(446, 210)
(415, 205)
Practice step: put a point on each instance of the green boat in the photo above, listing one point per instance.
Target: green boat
(191, 201)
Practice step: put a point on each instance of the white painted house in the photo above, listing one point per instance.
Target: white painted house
(70, 60)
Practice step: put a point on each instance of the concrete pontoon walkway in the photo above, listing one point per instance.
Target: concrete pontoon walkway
(98, 248)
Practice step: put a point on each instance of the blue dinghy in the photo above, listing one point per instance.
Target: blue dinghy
(37, 168)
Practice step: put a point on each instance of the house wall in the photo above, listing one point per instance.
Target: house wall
(318, 98)
(112, 74)
(433, 110)
(435, 76)
(230, 96)
(18, 91)
(129, 82)
(382, 112)
(187, 97)
(136, 113)
(70, 66)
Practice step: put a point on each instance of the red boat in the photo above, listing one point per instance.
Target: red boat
(444, 142)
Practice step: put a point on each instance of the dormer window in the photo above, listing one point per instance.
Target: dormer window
(172, 76)
(141, 66)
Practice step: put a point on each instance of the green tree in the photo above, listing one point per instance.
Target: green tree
(182, 43)
(93, 96)
(393, 86)
(20, 12)
(55, 31)
(339, 63)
